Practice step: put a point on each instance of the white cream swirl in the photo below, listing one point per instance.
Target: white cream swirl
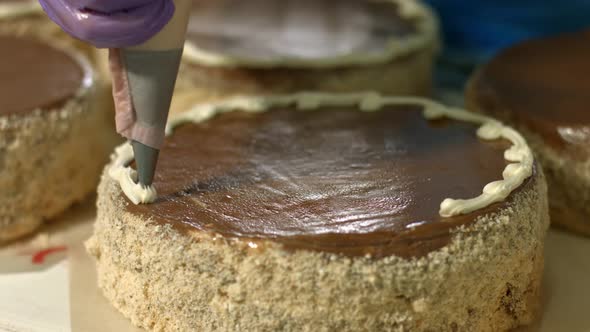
(127, 176)
(519, 154)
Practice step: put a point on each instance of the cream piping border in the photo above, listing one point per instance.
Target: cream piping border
(12, 10)
(427, 36)
(519, 154)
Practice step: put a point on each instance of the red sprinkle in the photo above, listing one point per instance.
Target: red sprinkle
(39, 257)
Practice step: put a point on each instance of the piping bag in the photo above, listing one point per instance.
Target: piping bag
(145, 40)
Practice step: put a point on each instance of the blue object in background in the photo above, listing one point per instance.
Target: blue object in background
(474, 30)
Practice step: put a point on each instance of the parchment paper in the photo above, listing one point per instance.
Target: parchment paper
(34, 285)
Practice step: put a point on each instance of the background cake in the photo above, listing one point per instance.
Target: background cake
(540, 88)
(323, 212)
(265, 46)
(24, 16)
(27, 18)
(55, 132)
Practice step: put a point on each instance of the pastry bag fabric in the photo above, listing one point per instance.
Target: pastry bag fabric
(110, 23)
(143, 80)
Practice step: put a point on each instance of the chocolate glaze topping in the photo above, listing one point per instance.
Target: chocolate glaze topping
(299, 29)
(34, 75)
(543, 85)
(334, 180)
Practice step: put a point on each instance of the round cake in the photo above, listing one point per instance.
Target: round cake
(55, 135)
(540, 88)
(320, 212)
(27, 18)
(264, 46)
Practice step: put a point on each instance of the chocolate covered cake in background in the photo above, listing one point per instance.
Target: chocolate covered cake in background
(266, 46)
(27, 18)
(326, 212)
(24, 16)
(55, 132)
(541, 87)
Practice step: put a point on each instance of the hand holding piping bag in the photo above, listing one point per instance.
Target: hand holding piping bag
(145, 40)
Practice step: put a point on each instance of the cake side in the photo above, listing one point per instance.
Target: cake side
(55, 133)
(402, 65)
(165, 279)
(50, 159)
(407, 75)
(568, 178)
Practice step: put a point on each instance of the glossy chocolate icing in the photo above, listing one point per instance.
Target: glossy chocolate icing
(335, 180)
(299, 29)
(544, 86)
(34, 75)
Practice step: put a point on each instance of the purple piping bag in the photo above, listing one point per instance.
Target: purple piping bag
(110, 23)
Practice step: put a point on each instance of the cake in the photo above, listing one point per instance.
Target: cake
(325, 212)
(540, 88)
(26, 18)
(265, 46)
(55, 135)
(21, 16)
